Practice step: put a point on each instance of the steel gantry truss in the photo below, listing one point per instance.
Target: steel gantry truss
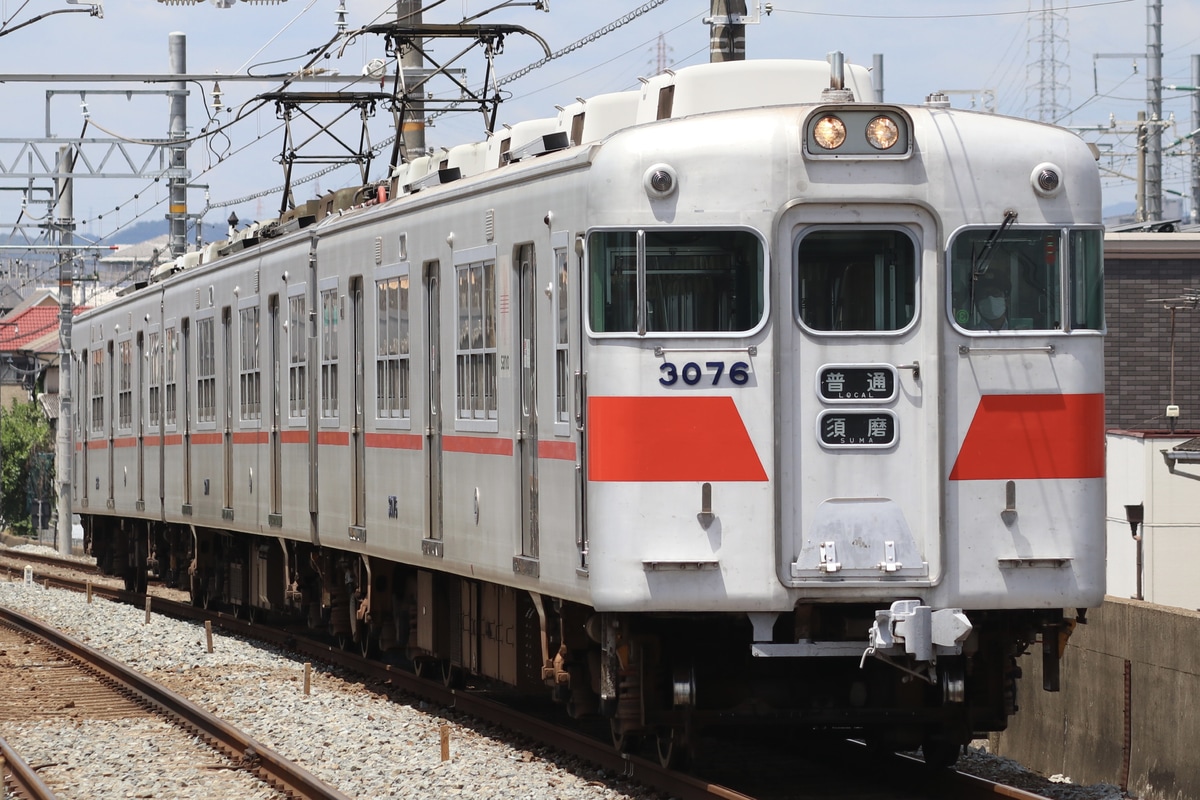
(409, 88)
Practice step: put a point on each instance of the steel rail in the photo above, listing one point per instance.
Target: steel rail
(20, 779)
(940, 784)
(599, 753)
(254, 757)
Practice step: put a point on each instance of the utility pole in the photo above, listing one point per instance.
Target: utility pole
(65, 439)
(1195, 212)
(1141, 214)
(728, 38)
(408, 12)
(1154, 154)
(178, 172)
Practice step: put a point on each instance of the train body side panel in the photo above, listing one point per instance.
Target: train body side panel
(680, 507)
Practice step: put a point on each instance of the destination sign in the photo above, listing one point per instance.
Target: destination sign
(841, 383)
(857, 428)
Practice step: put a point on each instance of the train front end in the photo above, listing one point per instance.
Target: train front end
(843, 376)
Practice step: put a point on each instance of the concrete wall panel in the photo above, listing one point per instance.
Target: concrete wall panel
(1080, 731)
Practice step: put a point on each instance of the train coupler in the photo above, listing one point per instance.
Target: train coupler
(910, 630)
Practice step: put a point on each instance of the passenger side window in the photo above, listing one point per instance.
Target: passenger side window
(675, 281)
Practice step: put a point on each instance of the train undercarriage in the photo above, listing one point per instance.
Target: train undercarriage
(660, 680)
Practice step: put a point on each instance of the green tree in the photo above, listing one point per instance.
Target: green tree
(24, 434)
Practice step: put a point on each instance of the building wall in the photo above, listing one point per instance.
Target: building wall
(1170, 497)
(1133, 667)
(12, 393)
(1141, 271)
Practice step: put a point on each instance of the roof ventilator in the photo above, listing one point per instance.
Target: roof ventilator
(547, 143)
(435, 178)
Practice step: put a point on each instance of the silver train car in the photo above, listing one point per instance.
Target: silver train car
(733, 398)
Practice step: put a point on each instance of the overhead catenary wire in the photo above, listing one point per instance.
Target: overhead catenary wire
(500, 81)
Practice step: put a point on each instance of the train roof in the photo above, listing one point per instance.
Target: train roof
(672, 94)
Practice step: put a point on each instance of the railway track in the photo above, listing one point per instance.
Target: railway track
(50, 678)
(901, 772)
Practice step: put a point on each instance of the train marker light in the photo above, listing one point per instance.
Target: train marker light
(829, 132)
(660, 181)
(1046, 179)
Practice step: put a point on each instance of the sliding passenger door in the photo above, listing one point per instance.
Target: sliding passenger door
(227, 435)
(139, 383)
(358, 456)
(527, 420)
(433, 535)
(275, 514)
(186, 406)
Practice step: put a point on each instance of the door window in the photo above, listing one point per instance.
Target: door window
(851, 279)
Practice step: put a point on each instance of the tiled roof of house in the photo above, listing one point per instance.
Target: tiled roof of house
(33, 329)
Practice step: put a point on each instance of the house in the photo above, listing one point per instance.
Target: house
(29, 346)
(1152, 413)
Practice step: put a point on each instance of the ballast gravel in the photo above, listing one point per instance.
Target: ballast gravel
(366, 745)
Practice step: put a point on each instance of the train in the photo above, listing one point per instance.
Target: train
(736, 398)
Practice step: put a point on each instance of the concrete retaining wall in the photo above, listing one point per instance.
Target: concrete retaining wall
(1081, 731)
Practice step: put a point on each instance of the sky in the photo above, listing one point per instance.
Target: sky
(985, 55)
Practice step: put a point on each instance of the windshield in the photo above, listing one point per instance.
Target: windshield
(1020, 284)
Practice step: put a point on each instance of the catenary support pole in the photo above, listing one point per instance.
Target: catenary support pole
(1195, 210)
(65, 439)
(412, 127)
(728, 42)
(1154, 150)
(178, 172)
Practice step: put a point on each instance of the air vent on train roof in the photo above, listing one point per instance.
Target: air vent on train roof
(435, 178)
(546, 143)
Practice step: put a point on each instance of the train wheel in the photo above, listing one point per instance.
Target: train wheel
(424, 667)
(674, 748)
(940, 750)
(452, 676)
(624, 741)
(366, 644)
(198, 589)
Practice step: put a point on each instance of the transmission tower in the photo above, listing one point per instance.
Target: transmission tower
(1047, 77)
(662, 58)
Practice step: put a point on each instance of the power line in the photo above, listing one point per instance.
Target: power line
(779, 10)
(377, 148)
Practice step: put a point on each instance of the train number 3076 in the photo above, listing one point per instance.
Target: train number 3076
(714, 372)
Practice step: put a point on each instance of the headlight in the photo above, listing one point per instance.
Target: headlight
(829, 132)
(882, 132)
(857, 131)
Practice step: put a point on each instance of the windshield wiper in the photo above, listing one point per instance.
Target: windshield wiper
(979, 264)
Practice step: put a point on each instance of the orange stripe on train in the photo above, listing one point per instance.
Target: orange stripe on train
(669, 439)
(1033, 436)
